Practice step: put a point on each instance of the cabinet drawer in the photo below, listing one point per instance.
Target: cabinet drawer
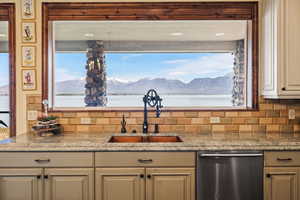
(144, 159)
(46, 159)
(283, 158)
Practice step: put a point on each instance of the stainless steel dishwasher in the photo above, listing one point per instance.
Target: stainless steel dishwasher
(230, 175)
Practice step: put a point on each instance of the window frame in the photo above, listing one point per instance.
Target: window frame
(150, 11)
(7, 13)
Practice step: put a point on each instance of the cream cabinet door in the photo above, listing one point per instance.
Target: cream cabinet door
(290, 45)
(170, 183)
(69, 184)
(20, 184)
(120, 184)
(280, 48)
(281, 183)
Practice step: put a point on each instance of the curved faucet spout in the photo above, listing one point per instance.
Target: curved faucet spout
(151, 99)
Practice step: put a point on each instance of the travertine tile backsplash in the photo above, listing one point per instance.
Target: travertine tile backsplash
(272, 117)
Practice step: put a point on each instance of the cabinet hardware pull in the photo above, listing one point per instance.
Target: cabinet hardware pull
(142, 175)
(145, 160)
(38, 176)
(42, 160)
(46, 177)
(268, 175)
(283, 89)
(284, 159)
(149, 176)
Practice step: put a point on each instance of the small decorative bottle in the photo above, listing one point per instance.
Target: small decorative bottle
(123, 123)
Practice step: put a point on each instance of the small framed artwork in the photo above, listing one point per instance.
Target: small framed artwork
(28, 79)
(28, 32)
(28, 9)
(28, 56)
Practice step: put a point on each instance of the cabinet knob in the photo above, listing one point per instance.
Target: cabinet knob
(283, 89)
(149, 176)
(38, 176)
(268, 175)
(142, 175)
(46, 177)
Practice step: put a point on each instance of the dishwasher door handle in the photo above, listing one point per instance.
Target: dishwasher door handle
(231, 155)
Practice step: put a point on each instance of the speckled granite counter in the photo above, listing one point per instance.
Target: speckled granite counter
(191, 142)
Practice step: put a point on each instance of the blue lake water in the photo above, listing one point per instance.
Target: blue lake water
(136, 100)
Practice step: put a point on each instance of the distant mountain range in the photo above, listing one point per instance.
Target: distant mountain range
(205, 86)
(219, 85)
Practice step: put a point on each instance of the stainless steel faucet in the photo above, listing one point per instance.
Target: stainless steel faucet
(153, 100)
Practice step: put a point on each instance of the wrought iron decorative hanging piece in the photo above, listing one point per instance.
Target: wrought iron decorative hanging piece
(3, 123)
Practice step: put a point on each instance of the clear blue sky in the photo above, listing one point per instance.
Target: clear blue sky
(134, 66)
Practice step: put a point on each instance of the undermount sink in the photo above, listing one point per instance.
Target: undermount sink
(164, 139)
(144, 139)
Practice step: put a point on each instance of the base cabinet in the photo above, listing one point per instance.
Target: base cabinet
(170, 183)
(47, 184)
(69, 184)
(282, 183)
(282, 175)
(141, 183)
(21, 184)
(120, 183)
(97, 176)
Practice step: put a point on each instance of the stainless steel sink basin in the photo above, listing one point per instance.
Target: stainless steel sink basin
(144, 139)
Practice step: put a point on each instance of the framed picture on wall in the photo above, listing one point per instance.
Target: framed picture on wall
(28, 56)
(28, 9)
(29, 79)
(28, 32)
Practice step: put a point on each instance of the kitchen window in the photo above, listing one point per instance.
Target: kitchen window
(7, 71)
(193, 59)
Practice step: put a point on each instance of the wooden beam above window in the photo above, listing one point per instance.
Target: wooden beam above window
(151, 11)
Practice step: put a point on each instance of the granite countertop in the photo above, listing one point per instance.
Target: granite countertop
(191, 142)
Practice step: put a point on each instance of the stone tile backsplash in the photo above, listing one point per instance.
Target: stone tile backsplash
(272, 117)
